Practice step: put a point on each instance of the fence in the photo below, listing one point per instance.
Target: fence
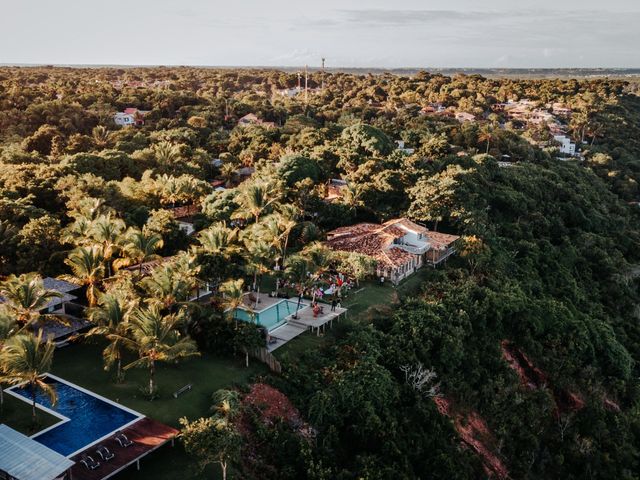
(264, 356)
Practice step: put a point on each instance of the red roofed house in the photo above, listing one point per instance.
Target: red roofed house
(400, 246)
(252, 119)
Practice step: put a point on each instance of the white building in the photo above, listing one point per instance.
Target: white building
(566, 145)
(403, 149)
(124, 119)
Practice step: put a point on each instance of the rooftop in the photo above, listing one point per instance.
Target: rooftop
(25, 459)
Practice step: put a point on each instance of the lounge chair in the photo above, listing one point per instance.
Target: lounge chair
(122, 439)
(89, 462)
(104, 453)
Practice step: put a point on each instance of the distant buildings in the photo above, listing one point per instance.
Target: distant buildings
(252, 119)
(464, 117)
(403, 149)
(399, 246)
(566, 145)
(130, 117)
(289, 92)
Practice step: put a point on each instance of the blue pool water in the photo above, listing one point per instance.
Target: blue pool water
(90, 418)
(271, 317)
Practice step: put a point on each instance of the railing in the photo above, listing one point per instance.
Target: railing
(415, 249)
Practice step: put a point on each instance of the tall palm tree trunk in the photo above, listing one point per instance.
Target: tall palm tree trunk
(152, 374)
(33, 403)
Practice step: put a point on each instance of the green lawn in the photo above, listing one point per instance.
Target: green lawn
(362, 302)
(82, 364)
(17, 415)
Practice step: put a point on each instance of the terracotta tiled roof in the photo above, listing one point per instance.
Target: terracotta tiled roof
(393, 257)
(407, 224)
(370, 239)
(185, 211)
(440, 241)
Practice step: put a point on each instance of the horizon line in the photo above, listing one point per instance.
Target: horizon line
(310, 67)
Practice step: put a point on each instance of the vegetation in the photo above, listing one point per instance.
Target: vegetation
(524, 348)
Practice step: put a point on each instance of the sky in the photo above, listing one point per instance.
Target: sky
(349, 33)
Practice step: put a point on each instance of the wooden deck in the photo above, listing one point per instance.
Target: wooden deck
(147, 435)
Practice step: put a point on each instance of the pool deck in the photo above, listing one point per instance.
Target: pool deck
(305, 320)
(147, 435)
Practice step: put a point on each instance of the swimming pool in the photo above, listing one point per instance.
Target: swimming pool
(85, 418)
(271, 317)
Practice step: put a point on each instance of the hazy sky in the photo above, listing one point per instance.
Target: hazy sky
(362, 33)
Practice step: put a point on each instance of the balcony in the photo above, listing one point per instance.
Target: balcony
(418, 249)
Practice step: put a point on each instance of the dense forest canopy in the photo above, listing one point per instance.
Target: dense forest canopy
(528, 342)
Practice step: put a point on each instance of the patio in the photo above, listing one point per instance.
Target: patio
(147, 435)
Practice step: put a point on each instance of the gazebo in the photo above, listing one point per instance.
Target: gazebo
(22, 458)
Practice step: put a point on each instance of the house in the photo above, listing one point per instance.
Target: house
(23, 458)
(432, 108)
(289, 92)
(566, 145)
(463, 117)
(130, 116)
(184, 217)
(403, 149)
(68, 292)
(252, 119)
(399, 246)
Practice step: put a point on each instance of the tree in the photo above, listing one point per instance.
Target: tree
(254, 198)
(107, 231)
(101, 136)
(87, 267)
(156, 338)
(24, 298)
(173, 282)
(138, 248)
(356, 265)
(27, 359)
(232, 295)
(215, 439)
(111, 320)
(259, 256)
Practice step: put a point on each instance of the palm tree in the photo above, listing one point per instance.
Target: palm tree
(172, 283)
(25, 296)
(165, 153)
(87, 267)
(486, 136)
(258, 254)
(155, 337)
(139, 248)
(111, 320)
(218, 239)
(78, 232)
(297, 269)
(254, 198)
(106, 231)
(232, 296)
(228, 172)
(27, 359)
(101, 136)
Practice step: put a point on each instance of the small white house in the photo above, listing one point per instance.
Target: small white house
(403, 149)
(566, 145)
(124, 119)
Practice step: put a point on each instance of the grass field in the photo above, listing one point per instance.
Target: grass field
(82, 364)
(17, 414)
